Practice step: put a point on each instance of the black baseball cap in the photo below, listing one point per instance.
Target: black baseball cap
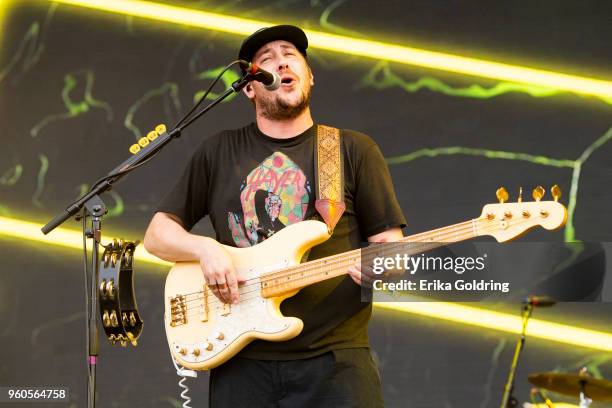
(259, 38)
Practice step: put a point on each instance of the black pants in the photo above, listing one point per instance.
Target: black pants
(338, 378)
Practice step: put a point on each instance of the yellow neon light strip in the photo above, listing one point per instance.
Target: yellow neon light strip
(4, 5)
(446, 311)
(504, 322)
(359, 47)
(63, 237)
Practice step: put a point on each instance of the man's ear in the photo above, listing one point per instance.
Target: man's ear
(311, 77)
(248, 91)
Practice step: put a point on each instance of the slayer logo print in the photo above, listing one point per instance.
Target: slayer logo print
(275, 194)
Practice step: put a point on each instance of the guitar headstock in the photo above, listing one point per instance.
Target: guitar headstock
(506, 221)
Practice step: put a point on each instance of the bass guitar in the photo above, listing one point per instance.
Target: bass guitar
(204, 332)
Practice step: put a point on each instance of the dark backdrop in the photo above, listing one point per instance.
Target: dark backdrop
(77, 87)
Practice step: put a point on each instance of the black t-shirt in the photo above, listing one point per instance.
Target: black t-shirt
(252, 185)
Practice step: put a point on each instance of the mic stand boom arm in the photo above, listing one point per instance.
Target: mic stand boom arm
(138, 159)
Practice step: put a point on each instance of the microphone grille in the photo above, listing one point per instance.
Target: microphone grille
(276, 83)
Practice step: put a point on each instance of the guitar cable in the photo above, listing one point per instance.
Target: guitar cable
(184, 396)
(184, 373)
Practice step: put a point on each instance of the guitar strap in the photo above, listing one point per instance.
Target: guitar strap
(329, 176)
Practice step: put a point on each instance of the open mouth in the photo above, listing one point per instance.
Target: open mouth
(287, 80)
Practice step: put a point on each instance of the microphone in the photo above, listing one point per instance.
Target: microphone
(270, 80)
(540, 301)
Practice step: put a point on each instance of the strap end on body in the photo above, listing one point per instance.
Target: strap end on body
(330, 211)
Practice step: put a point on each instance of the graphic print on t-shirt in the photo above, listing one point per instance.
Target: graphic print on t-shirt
(275, 194)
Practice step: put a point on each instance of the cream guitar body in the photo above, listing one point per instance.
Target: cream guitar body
(203, 332)
(209, 332)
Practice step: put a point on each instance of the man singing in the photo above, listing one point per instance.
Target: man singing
(252, 182)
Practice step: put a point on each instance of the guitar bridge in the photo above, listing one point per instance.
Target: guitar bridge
(178, 311)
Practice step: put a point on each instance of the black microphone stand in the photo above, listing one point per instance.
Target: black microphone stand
(95, 207)
(508, 400)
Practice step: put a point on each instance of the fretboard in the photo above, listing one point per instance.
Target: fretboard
(296, 277)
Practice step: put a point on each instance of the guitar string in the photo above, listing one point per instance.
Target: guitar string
(331, 260)
(317, 265)
(405, 240)
(305, 275)
(336, 264)
(439, 235)
(318, 269)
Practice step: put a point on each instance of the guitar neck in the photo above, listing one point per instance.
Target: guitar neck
(280, 282)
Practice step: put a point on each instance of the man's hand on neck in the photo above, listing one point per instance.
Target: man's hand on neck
(285, 129)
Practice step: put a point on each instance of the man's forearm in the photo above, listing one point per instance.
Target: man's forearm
(168, 240)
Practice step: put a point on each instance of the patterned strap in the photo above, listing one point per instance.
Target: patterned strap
(329, 176)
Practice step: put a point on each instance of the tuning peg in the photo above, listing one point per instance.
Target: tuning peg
(520, 196)
(502, 195)
(538, 193)
(556, 192)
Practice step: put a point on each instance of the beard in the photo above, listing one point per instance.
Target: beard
(276, 108)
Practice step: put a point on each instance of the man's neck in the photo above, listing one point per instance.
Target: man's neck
(284, 129)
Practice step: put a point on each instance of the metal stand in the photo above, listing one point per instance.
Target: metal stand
(96, 209)
(585, 402)
(508, 400)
